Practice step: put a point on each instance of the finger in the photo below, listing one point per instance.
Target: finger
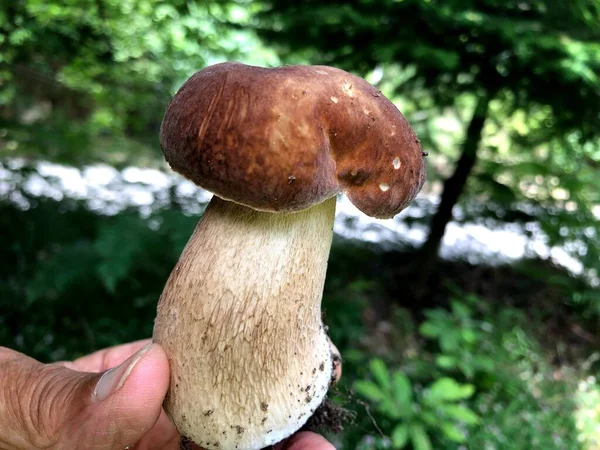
(163, 436)
(105, 359)
(305, 440)
(53, 407)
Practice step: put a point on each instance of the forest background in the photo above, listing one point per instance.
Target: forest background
(469, 322)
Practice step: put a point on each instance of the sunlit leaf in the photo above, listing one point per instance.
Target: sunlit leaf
(400, 436)
(381, 374)
(461, 310)
(419, 438)
(469, 335)
(452, 432)
(369, 390)
(402, 390)
(446, 362)
(430, 418)
(430, 330)
(448, 389)
(461, 413)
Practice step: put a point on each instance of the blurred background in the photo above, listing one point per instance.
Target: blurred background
(470, 321)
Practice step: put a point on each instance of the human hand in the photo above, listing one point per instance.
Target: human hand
(84, 405)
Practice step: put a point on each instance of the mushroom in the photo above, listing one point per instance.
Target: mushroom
(240, 315)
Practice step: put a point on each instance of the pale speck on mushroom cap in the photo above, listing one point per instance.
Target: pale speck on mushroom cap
(240, 131)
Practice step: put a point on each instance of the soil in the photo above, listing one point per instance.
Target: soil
(188, 444)
(329, 418)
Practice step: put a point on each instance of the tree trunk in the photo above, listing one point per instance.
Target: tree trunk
(453, 188)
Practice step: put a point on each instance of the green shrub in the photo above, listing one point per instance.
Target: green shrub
(478, 380)
(460, 339)
(415, 412)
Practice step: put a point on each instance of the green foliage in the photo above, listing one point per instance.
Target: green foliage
(86, 281)
(90, 79)
(526, 47)
(539, 63)
(84, 80)
(415, 412)
(460, 339)
(526, 419)
(89, 281)
(520, 400)
(588, 400)
(532, 404)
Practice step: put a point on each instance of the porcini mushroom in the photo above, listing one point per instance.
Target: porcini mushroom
(240, 316)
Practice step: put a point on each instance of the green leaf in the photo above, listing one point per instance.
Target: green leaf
(400, 436)
(381, 374)
(429, 330)
(446, 362)
(452, 432)
(429, 418)
(447, 389)
(369, 390)
(461, 413)
(402, 391)
(389, 408)
(461, 310)
(469, 336)
(419, 438)
(449, 341)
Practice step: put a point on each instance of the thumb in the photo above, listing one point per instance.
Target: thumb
(52, 407)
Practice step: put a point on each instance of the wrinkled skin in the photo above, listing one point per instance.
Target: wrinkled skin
(52, 406)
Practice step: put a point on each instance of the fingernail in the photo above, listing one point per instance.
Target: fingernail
(113, 379)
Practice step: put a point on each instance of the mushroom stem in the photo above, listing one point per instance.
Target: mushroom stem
(240, 319)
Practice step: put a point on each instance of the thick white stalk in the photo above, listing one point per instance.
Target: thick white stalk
(240, 319)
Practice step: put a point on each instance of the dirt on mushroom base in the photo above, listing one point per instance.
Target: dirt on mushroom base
(187, 444)
(328, 418)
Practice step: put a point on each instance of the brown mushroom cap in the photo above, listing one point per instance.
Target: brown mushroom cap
(288, 138)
